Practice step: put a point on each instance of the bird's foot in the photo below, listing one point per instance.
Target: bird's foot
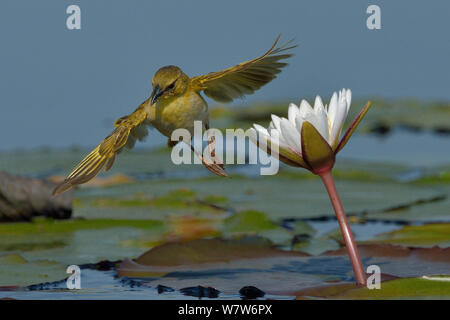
(212, 165)
(216, 168)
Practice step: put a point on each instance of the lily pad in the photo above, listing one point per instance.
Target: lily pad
(148, 206)
(208, 251)
(227, 265)
(426, 235)
(66, 242)
(248, 221)
(191, 227)
(411, 288)
(17, 271)
(39, 226)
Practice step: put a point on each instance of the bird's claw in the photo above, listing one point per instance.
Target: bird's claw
(212, 165)
(215, 168)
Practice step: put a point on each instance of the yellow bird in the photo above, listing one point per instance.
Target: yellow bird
(176, 102)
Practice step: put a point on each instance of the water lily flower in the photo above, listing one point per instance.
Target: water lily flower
(309, 138)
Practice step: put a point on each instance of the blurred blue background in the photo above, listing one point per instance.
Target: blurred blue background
(63, 87)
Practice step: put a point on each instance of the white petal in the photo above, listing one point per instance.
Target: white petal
(276, 124)
(277, 143)
(276, 121)
(318, 103)
(343, 101)
(253, 135)
(298, 124)
(293, 111)
(319, 124)
(322, 121)
(291, 135)
(275, 133)
(348, 98)
(261, 129)
(259, 138)
(305, 108)
(339, 120)
(332, 108)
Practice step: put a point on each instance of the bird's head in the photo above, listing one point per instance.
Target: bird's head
(168, 82)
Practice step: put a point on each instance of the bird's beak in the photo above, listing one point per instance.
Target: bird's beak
(156, 93)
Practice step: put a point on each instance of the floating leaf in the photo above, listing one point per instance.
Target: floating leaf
(46, 247)
(191, 227)
(17, 271)
(248, 221)
(245, 257)
(435, 253)
(428, 234)
(44, 226)
(207, 251)
(401, 289)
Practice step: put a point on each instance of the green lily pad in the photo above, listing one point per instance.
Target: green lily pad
(46, 226)
(247, 221)
(180, 197)
(144, 206)
(40, 251)
(411, 288)
(425, 235)
(17, 271)
(316, 246)
(408, 288)
(439, 177)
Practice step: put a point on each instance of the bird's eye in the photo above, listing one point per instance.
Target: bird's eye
(171, 86)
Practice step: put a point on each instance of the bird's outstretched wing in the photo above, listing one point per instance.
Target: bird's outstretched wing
(246, 77)
(128, 129)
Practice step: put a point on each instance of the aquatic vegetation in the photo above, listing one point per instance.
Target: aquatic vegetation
(165, 206)
(428, 234)
(408, 288)
(401, 289)
(175, 199)
(18, 271)
(440, 177)
(226, 265)
(247, 222)
(47, 226)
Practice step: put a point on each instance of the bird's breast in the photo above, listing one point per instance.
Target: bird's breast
(180, 112)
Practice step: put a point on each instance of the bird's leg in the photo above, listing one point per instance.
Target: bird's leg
(211, 147)
(212, 150)
(211, 166)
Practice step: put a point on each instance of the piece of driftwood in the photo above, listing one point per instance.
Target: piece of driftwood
(23, 198)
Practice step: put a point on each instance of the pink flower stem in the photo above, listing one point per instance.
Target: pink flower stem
(358, 268)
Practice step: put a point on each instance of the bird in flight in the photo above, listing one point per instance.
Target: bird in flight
(176, 102)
